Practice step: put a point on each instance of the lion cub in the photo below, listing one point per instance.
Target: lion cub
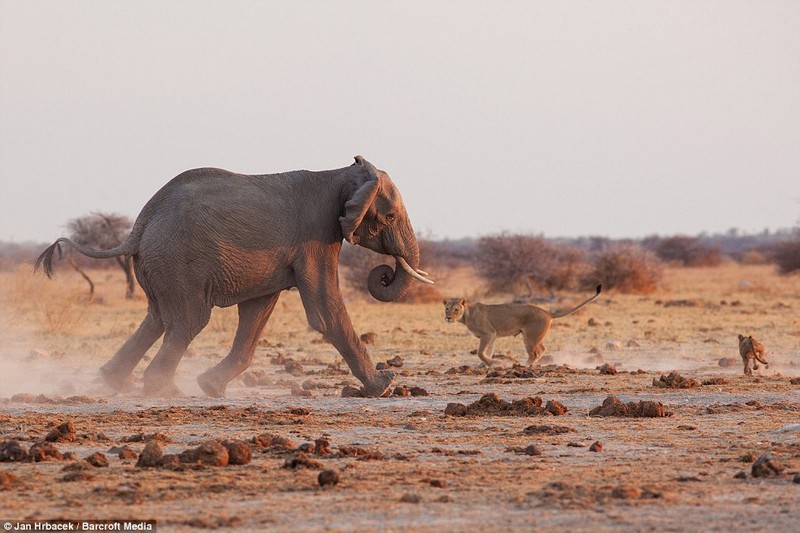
(752, 353)
(487, 322)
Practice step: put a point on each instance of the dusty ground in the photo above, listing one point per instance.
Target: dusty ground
(402, 462)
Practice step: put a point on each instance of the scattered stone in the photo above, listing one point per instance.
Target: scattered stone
(410, 497)
(555, 408)
(294, 368)
(349, 391)
(613, 345)
(491, 405)
(396, 362)
(607, 369)
(126, 453)
(613, 406)
(796, 478)
(455, 409)
(44, 451)
(740, 475)
(150, 455)
(597, 446)
(298, 390)
(169, 461)
(767, 465)
(592, 322)
(209, 453)
(418, 391)
(362, 454)
(13, 451)
(401, 390)
(63, 433)
(632, 344)
(546, 429)
(794, 381)
(239, 453)
(142, 437)
(250, 379)
(675, 381)
(574, 444)
(533, 449)
(80, 475)
(438, 483)
(716, 381)
(301, 460)
(322, 446)
(268, 440)
(369, 337)
(626, 492)
(9, 481)
(328, 478)
(749, 457)
(726, 362)
(97, 459)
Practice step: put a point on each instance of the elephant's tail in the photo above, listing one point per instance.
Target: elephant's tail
(129, 247)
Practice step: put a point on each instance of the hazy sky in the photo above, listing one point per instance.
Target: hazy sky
(617, 119)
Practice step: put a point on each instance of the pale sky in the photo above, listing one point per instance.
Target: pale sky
(615, 119)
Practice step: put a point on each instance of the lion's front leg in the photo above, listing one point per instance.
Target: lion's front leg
(747, 370)
(486, 348)
(535, 354)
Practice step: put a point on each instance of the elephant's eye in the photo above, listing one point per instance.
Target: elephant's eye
(390, 217)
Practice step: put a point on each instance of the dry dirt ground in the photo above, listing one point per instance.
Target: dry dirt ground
(503, 464)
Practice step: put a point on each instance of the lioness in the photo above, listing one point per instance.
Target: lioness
(752, 353)
(487, 322)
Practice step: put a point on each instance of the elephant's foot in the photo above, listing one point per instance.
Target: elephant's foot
(116, 380)
(211, 386)
(380, 385)
(161, 387)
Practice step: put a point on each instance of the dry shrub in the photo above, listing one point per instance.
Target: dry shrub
(61, 315)
(786, 256)
(752, 257)
(688, 251)
(509, 261)
(627, 268)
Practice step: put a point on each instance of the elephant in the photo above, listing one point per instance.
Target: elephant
(211, 237)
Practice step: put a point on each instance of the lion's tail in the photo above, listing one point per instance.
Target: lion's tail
(580, 306)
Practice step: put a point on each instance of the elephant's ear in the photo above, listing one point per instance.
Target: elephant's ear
(358, 204)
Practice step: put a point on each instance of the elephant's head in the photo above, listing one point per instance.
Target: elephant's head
(375, 218)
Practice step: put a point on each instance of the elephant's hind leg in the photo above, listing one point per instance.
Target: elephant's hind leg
(181, 327)
(253, 316)
(116, 372)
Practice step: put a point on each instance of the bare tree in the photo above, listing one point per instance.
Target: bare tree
(103, 231)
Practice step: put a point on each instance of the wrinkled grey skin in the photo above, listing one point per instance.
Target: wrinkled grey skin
(213, 238)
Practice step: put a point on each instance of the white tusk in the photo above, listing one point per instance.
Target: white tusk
(411, 271)
(422, 272)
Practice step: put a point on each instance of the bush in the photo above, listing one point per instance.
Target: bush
(687, 251)
(627, 268)
(509, 261)
(786, 256)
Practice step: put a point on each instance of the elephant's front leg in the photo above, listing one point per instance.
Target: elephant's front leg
(327, 314)
(253, 316)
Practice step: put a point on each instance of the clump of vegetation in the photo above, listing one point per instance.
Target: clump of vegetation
(508, 261)
(688, 251)
(628, 268)
(786, 256)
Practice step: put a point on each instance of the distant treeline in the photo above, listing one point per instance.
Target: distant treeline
(541, 261)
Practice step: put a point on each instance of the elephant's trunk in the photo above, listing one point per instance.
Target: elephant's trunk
(387, 285)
